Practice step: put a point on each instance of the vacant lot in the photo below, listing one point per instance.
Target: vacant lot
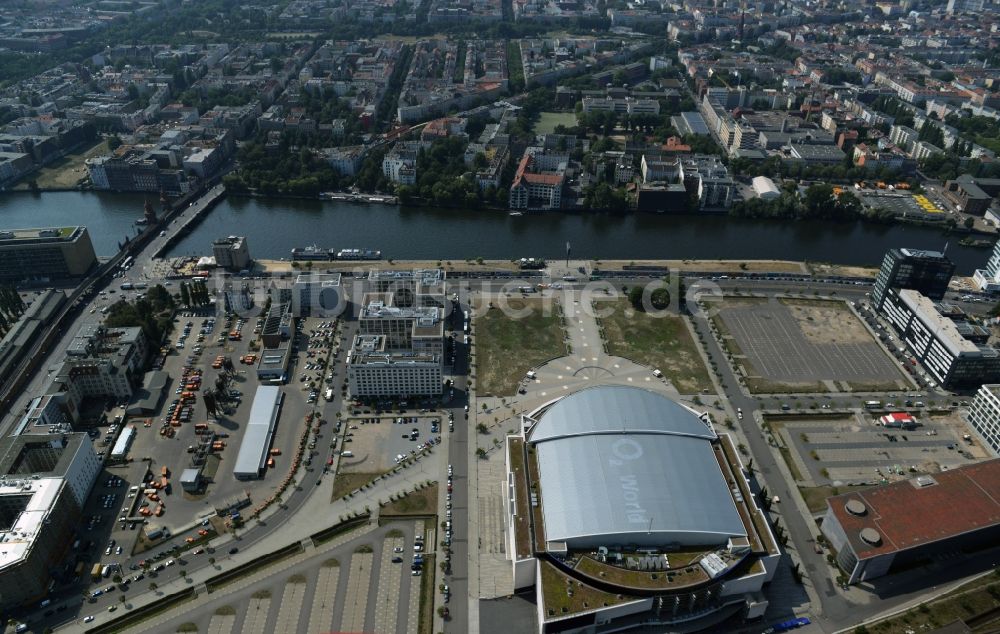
(344, 483)
(794, 345)
(67, 171)
(547, 121)
(662, 342)
(423, 502)
(507, 347)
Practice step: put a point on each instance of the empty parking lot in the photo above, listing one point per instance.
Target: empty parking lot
(806, 342)
(854, 449)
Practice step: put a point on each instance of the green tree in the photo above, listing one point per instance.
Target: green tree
(635, 297)
(660, 299)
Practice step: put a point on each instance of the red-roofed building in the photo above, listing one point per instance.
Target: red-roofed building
(896, 525)
(535, 190)
(899, 420)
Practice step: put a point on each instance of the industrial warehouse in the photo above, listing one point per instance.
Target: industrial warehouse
(632, 505)
(260, 429)
(899, 525)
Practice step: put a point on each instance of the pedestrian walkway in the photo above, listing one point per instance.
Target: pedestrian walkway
(256, 618)
(356, 604)
(389, 581)
(291, 606)
(221, 624)
(321, 617)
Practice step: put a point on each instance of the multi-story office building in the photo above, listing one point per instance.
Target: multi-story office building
(100, 362)
(928, 272)
(400, 348)
(984, 414)
(45, 254)
(44, 481)
(952, 351)
(988, 279)
(374, 371)
(708, 177)
(317, 294)
(232, 253)
(413, 329)
(419, 287)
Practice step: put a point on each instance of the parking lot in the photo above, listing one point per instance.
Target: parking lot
(375, 444)
(906, 205)
(855, 450)
(805, 341)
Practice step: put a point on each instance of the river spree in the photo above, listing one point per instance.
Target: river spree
(273, 227)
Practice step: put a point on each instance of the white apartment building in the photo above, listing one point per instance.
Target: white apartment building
(984, 414)
(400, 164)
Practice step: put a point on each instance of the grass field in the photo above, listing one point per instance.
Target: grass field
(547, 121)
(506, 348)
(344, 483)
(423, 502)
(815, 497)
(67, 171)
(664, 343)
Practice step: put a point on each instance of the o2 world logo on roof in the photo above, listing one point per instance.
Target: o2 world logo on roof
(623, 451)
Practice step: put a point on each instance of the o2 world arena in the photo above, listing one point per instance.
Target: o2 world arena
(625, 509)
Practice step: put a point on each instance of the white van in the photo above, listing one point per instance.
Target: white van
(657, 374)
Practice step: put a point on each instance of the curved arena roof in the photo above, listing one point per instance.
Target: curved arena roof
(622, 465)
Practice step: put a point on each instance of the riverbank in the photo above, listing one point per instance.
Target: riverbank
(472, 266)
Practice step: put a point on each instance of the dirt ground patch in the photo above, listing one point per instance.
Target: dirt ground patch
(344, 483)
(506, 347)
(821, 270)
(663, 342)
(827, 321)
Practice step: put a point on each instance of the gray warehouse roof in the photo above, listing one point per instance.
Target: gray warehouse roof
(257, 437)
(623, 465)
